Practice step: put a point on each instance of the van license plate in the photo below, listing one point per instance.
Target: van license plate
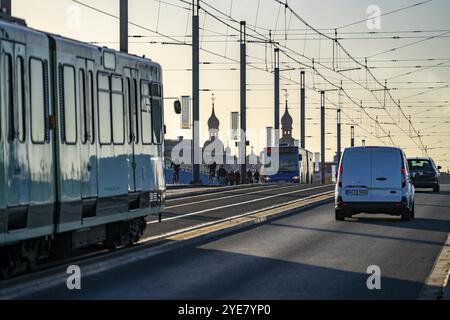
(357, 192)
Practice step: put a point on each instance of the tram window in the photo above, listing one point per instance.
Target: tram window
(136, 110)
(157, 121)
(156, 90)
(70, 113)
(104, 109)
(83, 105)
(133, 114)
(131, 133)
(157, 117)
(92, 118)
(118, 111)
(9, 94)
(110, 60)
(37, 101)
(146, 115)
(20, 99)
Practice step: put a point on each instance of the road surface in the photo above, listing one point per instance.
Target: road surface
(304, 256)
(199, 209)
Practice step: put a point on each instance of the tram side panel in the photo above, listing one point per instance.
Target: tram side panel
(158, 134)
(41, 148)
(93, 176)
(62, 181)
(27, 164)
(150, 158)
(67, 139)
(112, 158)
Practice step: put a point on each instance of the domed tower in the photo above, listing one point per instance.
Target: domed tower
(214, 141)
(213, 123)
(286, 128)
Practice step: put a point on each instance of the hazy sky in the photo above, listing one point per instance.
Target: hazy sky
(167, 17)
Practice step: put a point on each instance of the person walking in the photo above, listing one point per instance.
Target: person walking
(237, 177)
(231, 177)
(212, 172)
(222, 173)
(175, 172)
(257, 176)
(249, 176)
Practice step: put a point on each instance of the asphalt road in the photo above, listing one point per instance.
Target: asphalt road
(199, 209)
(304, 256)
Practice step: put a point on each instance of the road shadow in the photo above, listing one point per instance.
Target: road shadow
(209, 274)
(358, 234)
(432, 205)
(438, 225)
(424, 191)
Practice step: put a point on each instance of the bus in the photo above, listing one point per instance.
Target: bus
(295, 165)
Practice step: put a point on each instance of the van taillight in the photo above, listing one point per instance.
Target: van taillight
(403, 177)
(341, 171)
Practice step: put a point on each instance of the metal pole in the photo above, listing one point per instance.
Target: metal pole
(302, 111)
(322, 136)
(6, 7)
(243, 149)
(277, 95)
(124, 26)
(352, 136)
(269, 131)
(339, 146)
(195, 93)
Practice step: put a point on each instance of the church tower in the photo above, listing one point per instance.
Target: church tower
(213, 122)
(213, 129)
(286, 128)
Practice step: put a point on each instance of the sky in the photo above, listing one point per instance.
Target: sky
(423, 94)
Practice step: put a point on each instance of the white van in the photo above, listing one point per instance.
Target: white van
(374, 180)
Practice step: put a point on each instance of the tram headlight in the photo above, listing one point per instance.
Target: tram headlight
(296, 179)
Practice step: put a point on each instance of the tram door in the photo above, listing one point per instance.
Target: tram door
(13, 109)
(132, 89)
(87, 116)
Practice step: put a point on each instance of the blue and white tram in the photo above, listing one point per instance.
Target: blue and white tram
(81, 145)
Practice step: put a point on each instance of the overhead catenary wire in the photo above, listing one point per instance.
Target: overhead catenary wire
(267, 41)
(360, 64)
(386, 14)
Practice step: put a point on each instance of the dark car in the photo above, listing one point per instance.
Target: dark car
(424, 173)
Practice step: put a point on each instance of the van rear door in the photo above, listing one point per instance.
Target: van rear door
(356, 175)
(386, 175)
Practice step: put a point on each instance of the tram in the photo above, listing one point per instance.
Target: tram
(81, 145)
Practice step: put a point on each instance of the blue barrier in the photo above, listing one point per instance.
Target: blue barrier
(186, 177)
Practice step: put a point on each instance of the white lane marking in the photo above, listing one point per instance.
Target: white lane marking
(227, 197)
(207, 224)
(210, 193)
(235, 204)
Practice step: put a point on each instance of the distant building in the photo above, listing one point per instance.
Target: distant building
(213, 148)
(286, 129)
(253, 161)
